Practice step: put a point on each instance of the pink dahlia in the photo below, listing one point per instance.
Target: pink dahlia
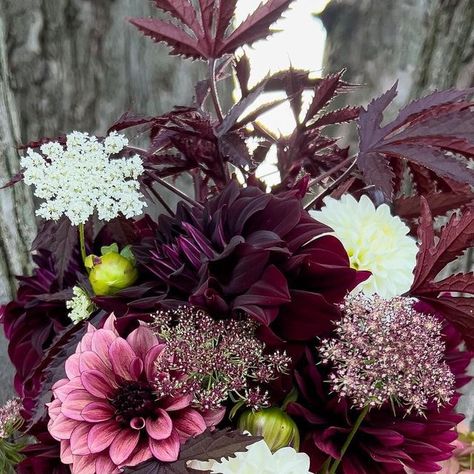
(106, 413)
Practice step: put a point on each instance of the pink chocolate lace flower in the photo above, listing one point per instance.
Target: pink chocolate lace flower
(106, 414)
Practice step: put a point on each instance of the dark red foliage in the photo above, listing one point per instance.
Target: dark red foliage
(426, 135)
(204, 33)
(42, 457)
(253, 252)
(452, 296)
(307, 148)
(384, 441)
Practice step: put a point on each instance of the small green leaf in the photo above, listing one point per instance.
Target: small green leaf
(128, 254)
(109, 249)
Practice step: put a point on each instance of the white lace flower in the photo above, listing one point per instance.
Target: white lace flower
(258, 459)
(80, 305)
(77, 180)
(375, 241)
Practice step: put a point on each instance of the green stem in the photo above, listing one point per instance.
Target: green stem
(325, 466)
(82, 242)
(349, 439)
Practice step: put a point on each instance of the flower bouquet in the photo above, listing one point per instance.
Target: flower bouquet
(309, 327)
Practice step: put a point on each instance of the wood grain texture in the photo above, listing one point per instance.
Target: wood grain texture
(70, 65)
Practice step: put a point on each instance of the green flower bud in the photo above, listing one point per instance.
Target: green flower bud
(112, 271)
(276, 427)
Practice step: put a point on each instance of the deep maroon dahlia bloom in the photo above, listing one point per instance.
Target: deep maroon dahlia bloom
(31, 322)
(384, 443)
(254, 252)
(106, 413)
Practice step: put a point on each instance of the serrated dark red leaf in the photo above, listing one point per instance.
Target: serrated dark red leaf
(161, 31)
(425, 134)
(433, 256)
(209, 445)
(15, 179)
(202, 33)
(439, 203)
(128, 120)
(256, 26)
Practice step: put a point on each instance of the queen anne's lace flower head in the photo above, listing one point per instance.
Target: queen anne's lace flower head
(81, 178)
(375, 241)
(80, 305)
(258, 459)
(385, 350)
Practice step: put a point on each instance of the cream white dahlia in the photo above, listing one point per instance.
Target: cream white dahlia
(258, 459)
(375, 241)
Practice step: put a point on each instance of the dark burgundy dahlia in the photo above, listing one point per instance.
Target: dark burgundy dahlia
(246, 250)
(384, 443)
(32, 321)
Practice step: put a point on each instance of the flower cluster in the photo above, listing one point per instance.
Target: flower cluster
(80, 305)
(213, 359)
(375, 241)
(258, 458)
(384, 351)
(77, 180)
(10, 418)
(106, 413)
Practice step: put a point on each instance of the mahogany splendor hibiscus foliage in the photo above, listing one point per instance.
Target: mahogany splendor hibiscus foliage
(101, 394)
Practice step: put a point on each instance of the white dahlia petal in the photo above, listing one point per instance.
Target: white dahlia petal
(375, 241)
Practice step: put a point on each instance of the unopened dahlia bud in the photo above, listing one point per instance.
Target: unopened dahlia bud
(111, 272)
(276, 427)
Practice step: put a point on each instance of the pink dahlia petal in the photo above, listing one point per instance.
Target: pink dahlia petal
(136, 368)
(122, 357)
(78, 440)
(63, 390)
(213, 417)
(91, 361)
(104, 465)
(176, 403)
(97, 412)
(160, 428)
(189, 423)
(61, 427)
(123, 445)
(83, 465)
(137, 423)
(101, 435)
(65, 452)
(86, 342)
(141, 453)
(166, 450)
(72, 366)
(75, 402)
(110, 324)
(141, 341)
(97, 384)
(150, 359)
(54, 408)
(101, 342)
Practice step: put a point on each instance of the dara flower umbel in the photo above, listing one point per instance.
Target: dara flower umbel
(385, 351)
(107, 412)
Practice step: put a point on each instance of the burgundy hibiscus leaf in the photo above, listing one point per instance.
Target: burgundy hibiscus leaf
(209, 445)
(439, 203)
(432, 135)
(308, 148)
(452, 296)
(202, 32)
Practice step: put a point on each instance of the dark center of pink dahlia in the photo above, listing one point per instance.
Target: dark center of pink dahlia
(132, 400)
